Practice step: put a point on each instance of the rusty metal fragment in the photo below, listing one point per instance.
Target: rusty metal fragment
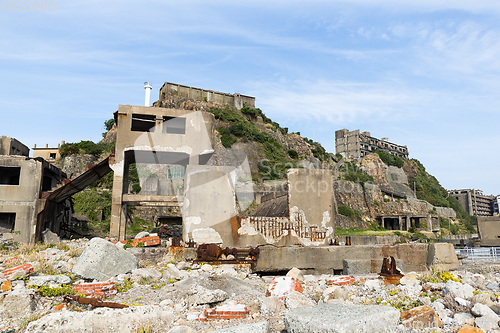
(94, 302)
(213, 252)
(390, 272)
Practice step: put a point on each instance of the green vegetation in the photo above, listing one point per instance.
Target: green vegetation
(46, 291)
(389, 159)
(293, 154)
(428, 189)
(123, 287)
(352, 173)
(90, 203)
(348, 211)
(86, 147)
(139, 225)
(373, 228)
(239, 127)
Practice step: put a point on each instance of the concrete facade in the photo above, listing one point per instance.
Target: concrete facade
(11, 146)
(157, 136)
(489, 230)
(47, 153)
(310, 218)
(355, 145)
(235, 100)
(24, 184)
(474, 202)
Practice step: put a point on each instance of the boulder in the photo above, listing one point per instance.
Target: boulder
(481, 310)
(420, 318)
(48, 280)
(149, 274)
(104, 320)
(50, 237)
(294, 299)
(260, 327)
(442, 256)
(457, 289)
(102, 260)
(329, 318)
(296, 274)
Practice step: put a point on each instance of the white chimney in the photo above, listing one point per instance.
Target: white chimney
(148, 88)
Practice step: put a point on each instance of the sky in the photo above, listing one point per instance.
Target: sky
(422, 73)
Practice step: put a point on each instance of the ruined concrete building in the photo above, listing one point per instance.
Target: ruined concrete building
(10, 146)
(25, 185)
(235, 100)
(475, 202)
(50, 154)
(355, 145)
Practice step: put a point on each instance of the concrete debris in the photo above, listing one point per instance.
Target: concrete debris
(457, 289)
(102, 260)
(187, 297)
(52, 281)
(261, 327)
(103, 320)
(50, 237)
(330, 318)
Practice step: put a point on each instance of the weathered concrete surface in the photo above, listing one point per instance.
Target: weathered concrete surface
(262, 327)
(310, 202)
(326, 259)
(104, 320)
(355, 266)
(336, 318)
(102, 260)
(489, 230)
(442, 256)
(17, 303)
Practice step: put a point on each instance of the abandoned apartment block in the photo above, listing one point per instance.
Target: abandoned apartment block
(475, 202)
(25, 184)
(355, 145)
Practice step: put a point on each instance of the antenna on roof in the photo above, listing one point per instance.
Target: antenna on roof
(148, 88)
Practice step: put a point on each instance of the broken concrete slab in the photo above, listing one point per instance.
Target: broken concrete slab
(19, 302)
(104, 320)
(442, 257)
(102, 260)
(336, 318)
(48, 280)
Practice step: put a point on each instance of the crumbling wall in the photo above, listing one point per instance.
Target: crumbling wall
(22, 200)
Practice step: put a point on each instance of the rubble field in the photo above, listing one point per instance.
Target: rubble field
(98, 286)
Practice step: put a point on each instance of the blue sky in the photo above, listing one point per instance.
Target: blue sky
(425, 74)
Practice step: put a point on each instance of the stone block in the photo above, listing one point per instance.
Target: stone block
(442, 256)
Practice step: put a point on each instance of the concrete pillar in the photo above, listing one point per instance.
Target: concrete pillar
(429, 222)
(118, 221)
(400, 222)
(383, 222)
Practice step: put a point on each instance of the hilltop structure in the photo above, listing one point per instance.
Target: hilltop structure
(50, 154)
(355, 145)
(475, 202)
